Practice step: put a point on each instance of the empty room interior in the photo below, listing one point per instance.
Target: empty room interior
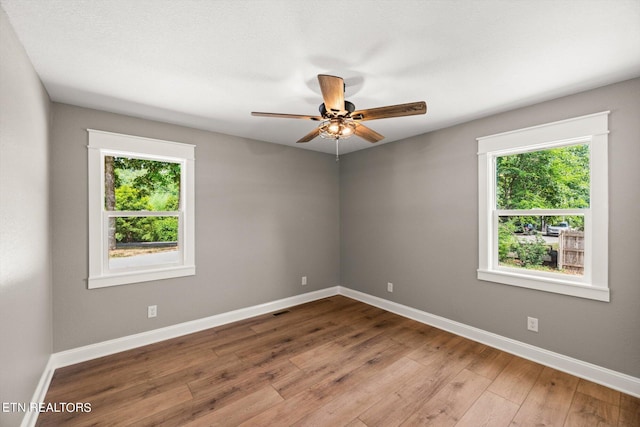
(363, 213)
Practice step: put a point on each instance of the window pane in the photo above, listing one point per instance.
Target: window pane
(141, 185)
(143, 241)
(553, 244)
(557, 178)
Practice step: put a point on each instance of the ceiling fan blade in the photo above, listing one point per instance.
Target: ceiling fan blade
(308, 137)
(368, 134)
(332, 88)
(286, 116)
(400, 110)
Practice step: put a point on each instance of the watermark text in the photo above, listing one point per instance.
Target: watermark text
(46, 407)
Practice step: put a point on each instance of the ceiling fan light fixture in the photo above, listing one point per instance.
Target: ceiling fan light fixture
(337, 128)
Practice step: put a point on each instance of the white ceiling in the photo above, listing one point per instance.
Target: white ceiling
(208, 64)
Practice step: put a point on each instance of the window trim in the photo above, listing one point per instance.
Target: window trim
(103, 143)
(590, 129)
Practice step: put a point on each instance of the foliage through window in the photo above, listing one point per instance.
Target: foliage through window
(557, 178)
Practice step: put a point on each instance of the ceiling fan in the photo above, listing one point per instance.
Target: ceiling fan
(339, 119)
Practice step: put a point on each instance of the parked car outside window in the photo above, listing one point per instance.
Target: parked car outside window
(554, 230)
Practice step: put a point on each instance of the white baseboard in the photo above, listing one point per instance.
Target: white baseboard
(30, 417)
(597, 374)
(607, 377)
(105, 348)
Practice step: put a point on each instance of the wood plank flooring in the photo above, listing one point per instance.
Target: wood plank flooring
(332, 362)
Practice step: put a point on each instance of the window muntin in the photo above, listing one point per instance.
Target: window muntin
(581, 145)
(141, 224)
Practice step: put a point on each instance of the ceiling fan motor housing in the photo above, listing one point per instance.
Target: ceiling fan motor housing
(348, 106)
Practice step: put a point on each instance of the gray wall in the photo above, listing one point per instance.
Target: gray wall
(25, 260)
(409, 215)
(266, 215)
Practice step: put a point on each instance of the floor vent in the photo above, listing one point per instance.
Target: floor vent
(280, 313)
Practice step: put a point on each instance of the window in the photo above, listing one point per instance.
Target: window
(141, 209)
(543, 212)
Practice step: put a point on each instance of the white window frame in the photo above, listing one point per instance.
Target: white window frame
(103, 144)
(591, 130)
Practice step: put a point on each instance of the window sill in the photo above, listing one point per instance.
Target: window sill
(557, 286)
(140, 276)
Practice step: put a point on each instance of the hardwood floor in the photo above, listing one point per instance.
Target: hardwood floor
(332, 362)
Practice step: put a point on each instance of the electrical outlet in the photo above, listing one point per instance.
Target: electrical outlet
(152, 311)
(304, 280)
(532, 324)
(389, 287)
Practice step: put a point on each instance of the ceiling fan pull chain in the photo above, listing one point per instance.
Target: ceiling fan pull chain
(337, 155)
